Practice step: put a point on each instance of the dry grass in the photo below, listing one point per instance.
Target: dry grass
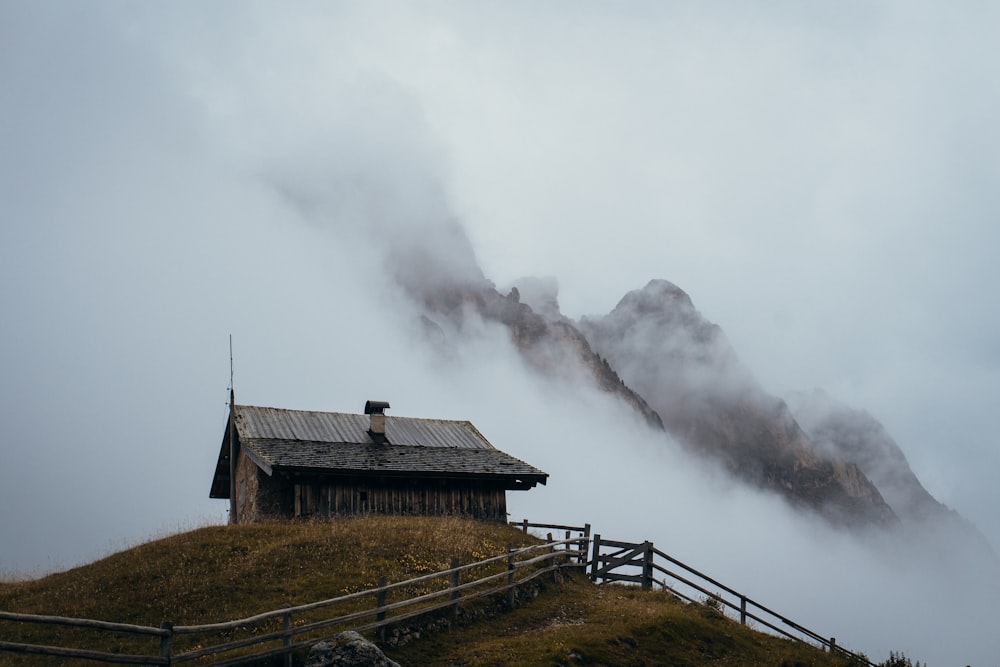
(223, 573)
(578, 623)
(226, 572)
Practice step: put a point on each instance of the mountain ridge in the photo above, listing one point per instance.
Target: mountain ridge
(688, 371)
(655, 352)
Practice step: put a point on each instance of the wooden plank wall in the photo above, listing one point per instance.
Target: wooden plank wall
(324, 499)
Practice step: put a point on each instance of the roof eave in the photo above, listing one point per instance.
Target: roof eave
(513, 481)
(258, 459)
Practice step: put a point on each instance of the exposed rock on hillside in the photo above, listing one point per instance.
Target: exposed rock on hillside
(348, 649)
(550, 345)
(688, 372)
(657, 354)
(542, 294)
(854, 436)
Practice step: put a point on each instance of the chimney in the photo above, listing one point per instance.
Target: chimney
(377, 428)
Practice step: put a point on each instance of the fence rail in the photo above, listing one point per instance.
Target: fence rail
(583, 540)
(514, 568)
(643, 556)
(608, 561)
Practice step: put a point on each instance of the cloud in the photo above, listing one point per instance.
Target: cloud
(820, 182)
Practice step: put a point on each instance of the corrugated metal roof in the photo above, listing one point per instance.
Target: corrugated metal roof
(258, 422)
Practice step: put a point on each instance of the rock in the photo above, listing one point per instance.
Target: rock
(542, 294)
(348, 649)
(684, 366)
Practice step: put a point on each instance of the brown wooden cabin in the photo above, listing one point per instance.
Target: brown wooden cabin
(286, 464)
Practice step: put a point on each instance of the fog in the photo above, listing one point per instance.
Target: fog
(821, 183)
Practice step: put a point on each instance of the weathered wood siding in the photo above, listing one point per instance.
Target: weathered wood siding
(263, 498)
(323, 499)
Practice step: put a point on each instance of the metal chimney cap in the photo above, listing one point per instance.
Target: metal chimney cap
(376, 407)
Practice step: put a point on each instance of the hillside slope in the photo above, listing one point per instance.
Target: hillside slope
(227, 572)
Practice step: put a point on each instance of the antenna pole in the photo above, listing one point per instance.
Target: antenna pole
(233, 511)
(231, 387)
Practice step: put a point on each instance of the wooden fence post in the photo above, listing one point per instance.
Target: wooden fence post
(596, 556)
(833, 644)
(286, 622)
(510, 575)
(553, 561)
(167, 640)
(743, 610)
(455, 595)
(585, 545)
(524, 525)
(380, 599)
(647, 565)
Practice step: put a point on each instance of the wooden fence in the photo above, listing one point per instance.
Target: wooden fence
(500, 574)
(608, 561)
(582, 539)
(641, 562)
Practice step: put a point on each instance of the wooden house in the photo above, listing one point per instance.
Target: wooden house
(285, 464)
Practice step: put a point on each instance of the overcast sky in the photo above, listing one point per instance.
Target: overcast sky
(820, 178)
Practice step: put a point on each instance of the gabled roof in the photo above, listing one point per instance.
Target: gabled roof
(335, 443)
(256, 423)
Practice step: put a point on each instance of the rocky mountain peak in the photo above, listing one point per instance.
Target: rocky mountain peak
(677, 370)
(542, 294)
(658, 295)
(551, 345)
(688, 372)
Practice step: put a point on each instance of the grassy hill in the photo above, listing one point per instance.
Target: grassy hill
(228, 572)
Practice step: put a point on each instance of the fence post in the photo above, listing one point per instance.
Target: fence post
(380, 599)
(833, 644)
(596, 555)
(585, 546)
(524, 525)
(286, 641)
(454, 584)
(167, 640)
(647, 565)
(553, 562)
(510, 575)
(743, 610)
